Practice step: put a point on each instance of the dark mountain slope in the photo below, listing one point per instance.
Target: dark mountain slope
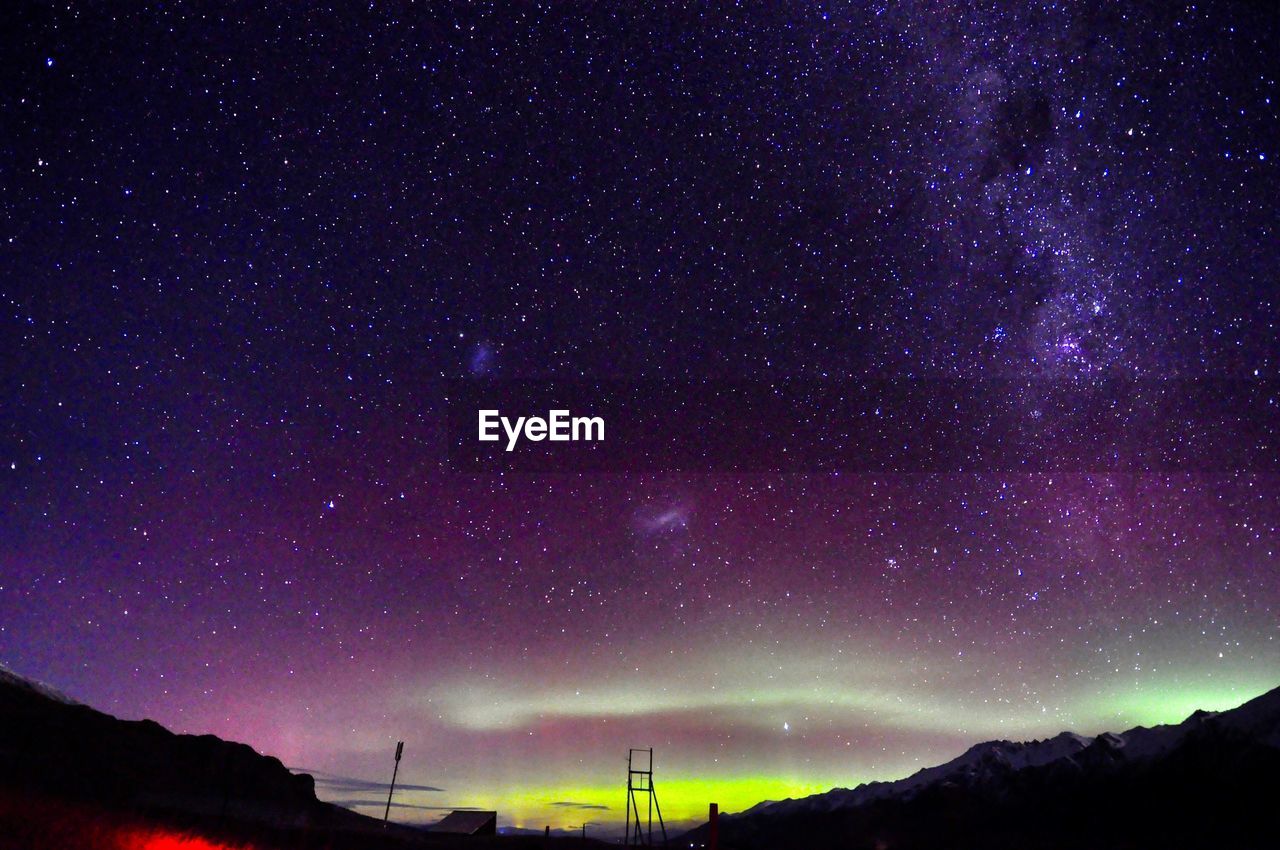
(53, 745)
(1208, 782)
(72, 778)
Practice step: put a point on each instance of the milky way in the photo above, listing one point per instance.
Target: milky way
(245, 256)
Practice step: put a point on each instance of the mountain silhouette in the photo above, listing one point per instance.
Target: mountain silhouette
(53, 745)
(1206, 782)
(74, 778)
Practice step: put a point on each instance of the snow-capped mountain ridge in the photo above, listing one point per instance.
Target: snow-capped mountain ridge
(1205, 782)
(996, 759)
(8, 677)
(977, 760)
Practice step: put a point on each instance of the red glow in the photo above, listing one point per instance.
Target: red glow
(153, 839)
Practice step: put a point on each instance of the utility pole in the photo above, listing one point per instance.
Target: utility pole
(399, 751)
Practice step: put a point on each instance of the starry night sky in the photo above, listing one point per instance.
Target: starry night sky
(244, 252)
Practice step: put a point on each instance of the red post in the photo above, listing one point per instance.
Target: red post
(713, 834)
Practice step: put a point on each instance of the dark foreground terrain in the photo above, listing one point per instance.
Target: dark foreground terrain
(73, 778)
(1212, 781)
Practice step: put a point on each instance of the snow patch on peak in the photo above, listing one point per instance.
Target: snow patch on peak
(12, 679)
(1015, 756)
(763, 804)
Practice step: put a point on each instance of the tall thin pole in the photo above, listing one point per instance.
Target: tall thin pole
(650, 841)
(386, 816)
(630, 800)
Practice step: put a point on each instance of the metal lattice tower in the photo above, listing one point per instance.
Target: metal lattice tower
(640, 784)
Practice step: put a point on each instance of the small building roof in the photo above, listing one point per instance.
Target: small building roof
(467, 822)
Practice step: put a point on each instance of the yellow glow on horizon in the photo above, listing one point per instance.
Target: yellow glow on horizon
(681, 800)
